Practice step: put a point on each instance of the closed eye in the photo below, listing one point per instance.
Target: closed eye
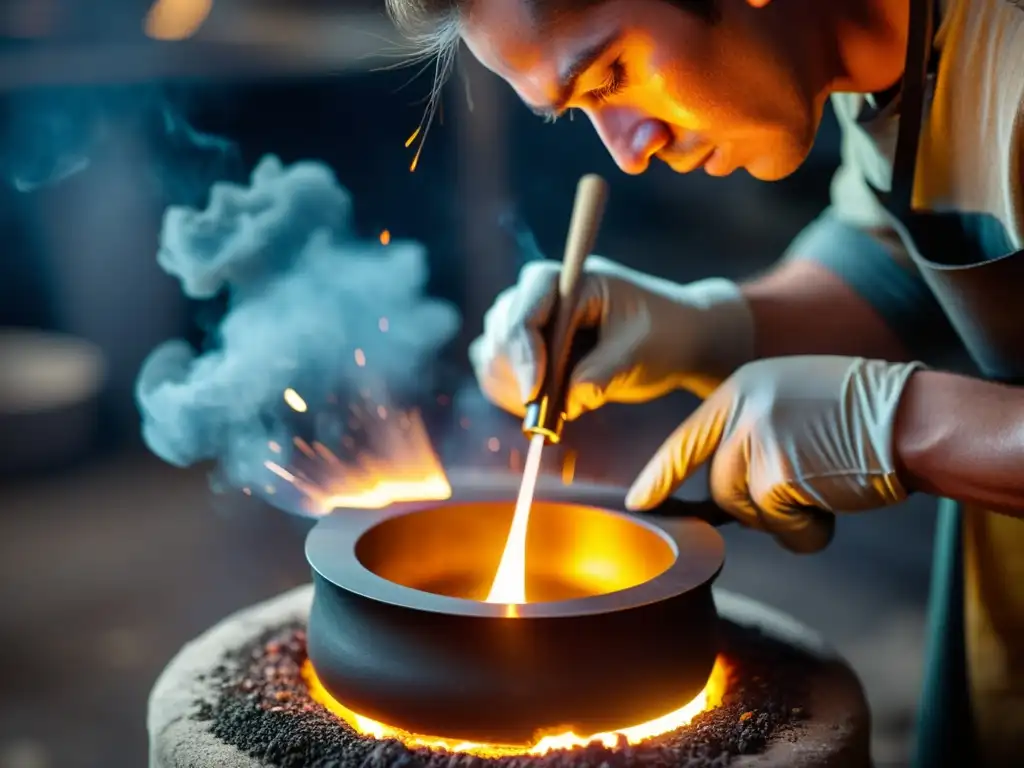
(614, 83)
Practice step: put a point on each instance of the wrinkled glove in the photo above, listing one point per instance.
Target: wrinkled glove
(654, 336)
(787, 434)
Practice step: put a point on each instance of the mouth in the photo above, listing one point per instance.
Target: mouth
(690, 162)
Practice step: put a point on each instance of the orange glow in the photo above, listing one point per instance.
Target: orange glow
(176, 19)
(385, 237)
(406, 468)
(709, 698)
(569, 468)
(509, 585)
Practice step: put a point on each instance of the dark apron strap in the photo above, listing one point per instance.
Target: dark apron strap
(944, 721)
(913, 92)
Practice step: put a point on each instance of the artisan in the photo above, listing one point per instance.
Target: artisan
(814, 395)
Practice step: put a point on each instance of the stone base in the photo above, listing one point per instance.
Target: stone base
(835, 735)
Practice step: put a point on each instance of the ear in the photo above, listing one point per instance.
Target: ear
(758, 3)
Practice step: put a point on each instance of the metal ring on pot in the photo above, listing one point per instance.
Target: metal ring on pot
(398, 632)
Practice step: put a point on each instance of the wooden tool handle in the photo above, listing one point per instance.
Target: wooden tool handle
(588, 209)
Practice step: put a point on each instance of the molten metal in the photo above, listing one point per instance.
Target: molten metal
(509, 585)
(709, 698)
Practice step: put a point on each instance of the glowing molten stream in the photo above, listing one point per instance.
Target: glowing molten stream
(509, 585)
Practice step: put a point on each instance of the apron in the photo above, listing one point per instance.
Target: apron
(969, 264)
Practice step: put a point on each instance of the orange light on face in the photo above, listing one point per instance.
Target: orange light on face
(709, 698)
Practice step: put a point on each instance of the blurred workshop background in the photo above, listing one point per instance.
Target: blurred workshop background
(112, 110)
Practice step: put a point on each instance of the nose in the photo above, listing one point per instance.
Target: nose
(631, 137)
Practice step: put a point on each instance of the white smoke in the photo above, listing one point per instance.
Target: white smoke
(305, 293)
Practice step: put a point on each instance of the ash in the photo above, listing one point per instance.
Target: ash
(264, 709)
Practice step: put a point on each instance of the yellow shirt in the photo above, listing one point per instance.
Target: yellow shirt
(971, 160)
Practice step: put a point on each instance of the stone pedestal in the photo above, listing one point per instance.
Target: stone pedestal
(836, 734)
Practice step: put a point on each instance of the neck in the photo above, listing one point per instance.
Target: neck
(872, 36)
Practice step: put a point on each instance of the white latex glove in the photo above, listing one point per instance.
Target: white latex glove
(654, 336)
(786, 434)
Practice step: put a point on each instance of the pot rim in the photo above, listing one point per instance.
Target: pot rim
(331, 552)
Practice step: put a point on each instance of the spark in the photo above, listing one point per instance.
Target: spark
(274, 447)
(326, 454)
(303, 446)
(360, 358)
(295, 401)
(385, 237)
(401, 466)
(569, 468)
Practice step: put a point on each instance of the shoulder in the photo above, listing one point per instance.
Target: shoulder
(977, 121)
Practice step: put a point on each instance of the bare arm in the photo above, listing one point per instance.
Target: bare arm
(802, 308)
(963, 438)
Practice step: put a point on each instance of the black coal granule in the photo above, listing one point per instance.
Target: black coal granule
(263, 708)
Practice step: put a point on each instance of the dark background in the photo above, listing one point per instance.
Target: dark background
(110, 560)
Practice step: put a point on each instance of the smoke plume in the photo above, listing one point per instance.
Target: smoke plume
(313, 310)
(51, 135)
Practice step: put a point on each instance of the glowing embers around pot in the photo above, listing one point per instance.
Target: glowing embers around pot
(707, 699)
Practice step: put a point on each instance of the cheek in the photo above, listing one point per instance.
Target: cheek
(682, 97)
(690, 90)
(681, 101)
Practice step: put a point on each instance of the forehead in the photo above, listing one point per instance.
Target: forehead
(509, 38)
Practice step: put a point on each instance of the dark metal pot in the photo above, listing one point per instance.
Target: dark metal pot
(621, 627)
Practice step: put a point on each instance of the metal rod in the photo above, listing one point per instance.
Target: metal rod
(545, 416)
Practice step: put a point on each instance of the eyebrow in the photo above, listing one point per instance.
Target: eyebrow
(577, 66)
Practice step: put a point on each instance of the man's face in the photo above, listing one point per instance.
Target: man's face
(659, 81)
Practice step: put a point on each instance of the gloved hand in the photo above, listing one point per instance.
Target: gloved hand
(785, 434)
(654, 336)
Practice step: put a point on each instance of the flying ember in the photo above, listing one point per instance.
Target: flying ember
(295, 401)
